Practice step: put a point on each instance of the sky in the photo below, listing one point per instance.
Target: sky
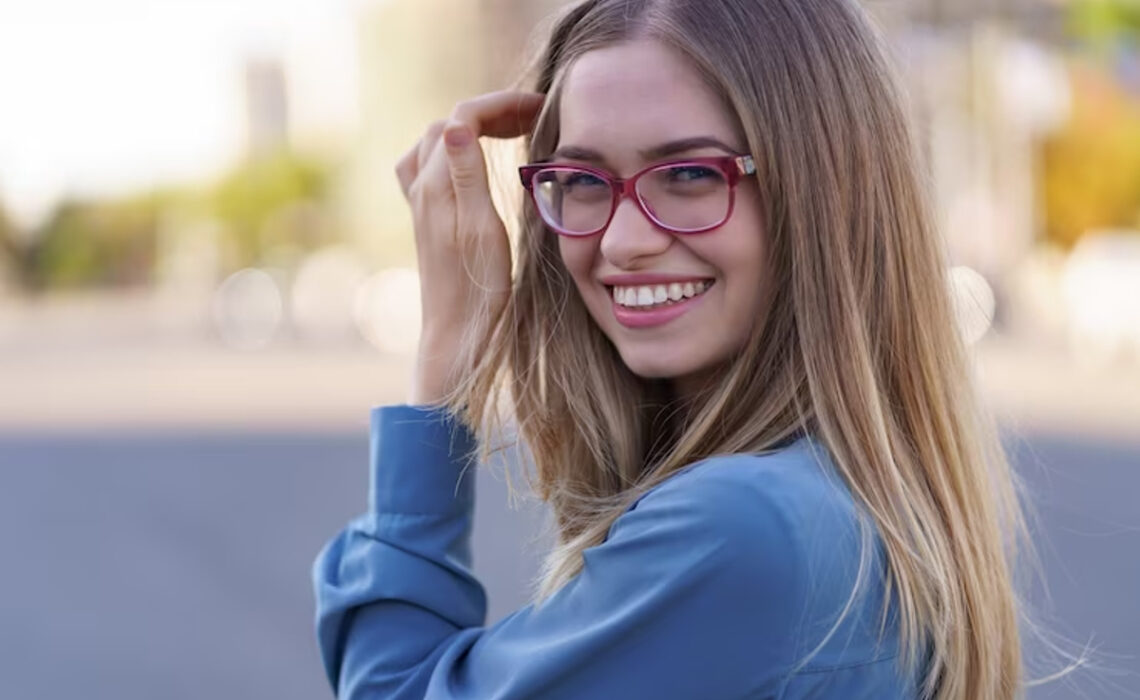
(104, 97)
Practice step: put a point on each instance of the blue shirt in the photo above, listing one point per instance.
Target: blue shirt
(715, 584)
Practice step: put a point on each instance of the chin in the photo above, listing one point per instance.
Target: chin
(658, 366)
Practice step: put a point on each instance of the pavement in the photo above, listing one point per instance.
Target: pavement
(136, 361)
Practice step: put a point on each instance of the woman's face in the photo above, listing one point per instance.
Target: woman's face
(619, 104)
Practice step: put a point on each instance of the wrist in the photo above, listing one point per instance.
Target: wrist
(427, 388)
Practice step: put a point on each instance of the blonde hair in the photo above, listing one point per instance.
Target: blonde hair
(859, 346)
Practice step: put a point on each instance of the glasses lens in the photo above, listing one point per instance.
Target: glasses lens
(573, 201)
(686, 196)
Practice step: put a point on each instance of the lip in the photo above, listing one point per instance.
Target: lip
(646, 278)
(631, 318)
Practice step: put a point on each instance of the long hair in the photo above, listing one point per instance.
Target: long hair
(859, 346)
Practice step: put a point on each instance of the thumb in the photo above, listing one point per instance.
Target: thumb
(467, 166)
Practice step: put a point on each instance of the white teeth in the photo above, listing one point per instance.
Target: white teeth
(658, 294)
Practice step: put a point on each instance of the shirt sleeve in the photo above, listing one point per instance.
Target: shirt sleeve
(694, 593)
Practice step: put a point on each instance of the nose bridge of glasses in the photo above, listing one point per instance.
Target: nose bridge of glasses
(627, 189)
(619, 226)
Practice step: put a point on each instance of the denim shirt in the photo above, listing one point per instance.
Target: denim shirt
(717, 583)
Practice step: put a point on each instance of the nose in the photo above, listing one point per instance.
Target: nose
(631, 235)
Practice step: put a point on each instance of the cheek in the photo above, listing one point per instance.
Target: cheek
(739, 252)
(745, 250)
(578, 255)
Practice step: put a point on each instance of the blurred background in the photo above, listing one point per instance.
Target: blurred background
(207, 279)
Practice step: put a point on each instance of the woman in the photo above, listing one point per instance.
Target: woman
(730, 353)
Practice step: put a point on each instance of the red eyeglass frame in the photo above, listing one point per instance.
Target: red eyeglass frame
(732, 167)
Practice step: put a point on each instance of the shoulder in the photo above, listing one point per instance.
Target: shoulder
(784, 501)
(791, 541)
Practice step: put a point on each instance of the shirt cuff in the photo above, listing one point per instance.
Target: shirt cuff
(419, 458)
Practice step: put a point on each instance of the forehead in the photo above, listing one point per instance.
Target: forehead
(638, 94)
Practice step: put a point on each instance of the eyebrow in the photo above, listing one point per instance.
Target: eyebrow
(665, 150)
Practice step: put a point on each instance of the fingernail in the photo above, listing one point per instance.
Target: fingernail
(457, 136)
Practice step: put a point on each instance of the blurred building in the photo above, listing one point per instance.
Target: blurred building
(266, 106)
(989, 84)
(1041, 18)
(418, 58)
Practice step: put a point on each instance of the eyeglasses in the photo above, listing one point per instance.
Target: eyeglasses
(693, 195)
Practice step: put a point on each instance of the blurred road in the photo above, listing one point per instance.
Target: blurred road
(177, 565)
(142, 566)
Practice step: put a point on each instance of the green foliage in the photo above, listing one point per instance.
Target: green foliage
(86, 244)
(7, 235)
(1104, 21)
(10, 250)
(262, 204)
(251, 199)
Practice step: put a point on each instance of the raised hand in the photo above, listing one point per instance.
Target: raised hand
(461, 243)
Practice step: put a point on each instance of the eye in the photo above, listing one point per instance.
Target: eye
(580, 179)
(693, 173)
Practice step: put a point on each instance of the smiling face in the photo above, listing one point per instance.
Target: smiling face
(624, 108)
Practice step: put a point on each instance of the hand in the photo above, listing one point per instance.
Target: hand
(461, 244)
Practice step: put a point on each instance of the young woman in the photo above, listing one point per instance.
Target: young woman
(729, 348)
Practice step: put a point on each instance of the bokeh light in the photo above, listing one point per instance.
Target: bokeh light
(248, 309)
(387, 310)
(1102, 297)
(324, 293)
(973, 302)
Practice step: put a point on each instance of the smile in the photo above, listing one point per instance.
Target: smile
(654, 305)
(651, 296)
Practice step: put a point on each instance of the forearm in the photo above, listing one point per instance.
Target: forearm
(396, 583)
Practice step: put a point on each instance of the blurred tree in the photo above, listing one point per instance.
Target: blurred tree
(11, 252)
(7, 233)
(86, 244)
(273, 201)
(264, 205)
(1092, 165)
(1104, 21)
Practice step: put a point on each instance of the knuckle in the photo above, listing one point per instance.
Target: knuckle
(427, 142)
(428, 189)
(416, 190)
(410, 152)
(462, 108)
(464, 178)
(432, 134)
(403, 168)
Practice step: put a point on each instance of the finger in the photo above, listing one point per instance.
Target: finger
(434, 180)
(468, 171)
(407, 168)
(503, 114)
(411, 164)
(429, 141)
